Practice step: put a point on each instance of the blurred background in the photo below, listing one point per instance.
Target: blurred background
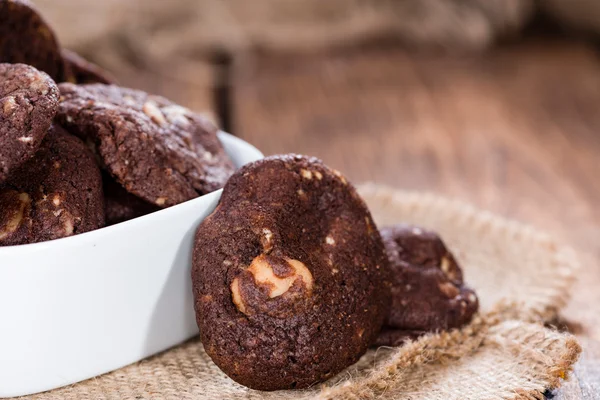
(495, 102)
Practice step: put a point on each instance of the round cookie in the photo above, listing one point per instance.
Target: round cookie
(120, 205)
(79, 70)
(28, 102)
(26, 38)
(428, 291)
(290, 278)
(57, 193)
(157, 150)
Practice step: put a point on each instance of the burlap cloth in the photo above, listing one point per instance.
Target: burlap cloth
(522, 277)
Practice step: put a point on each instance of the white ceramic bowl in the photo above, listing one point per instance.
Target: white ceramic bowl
(78, 307)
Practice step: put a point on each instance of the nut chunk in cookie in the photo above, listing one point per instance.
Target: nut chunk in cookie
(57, 193)
(291, 280)
(428, 291)
(28, 102)
(157, 150)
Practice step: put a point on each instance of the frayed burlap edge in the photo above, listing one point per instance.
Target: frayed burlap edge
(547, 357)
(504, 353)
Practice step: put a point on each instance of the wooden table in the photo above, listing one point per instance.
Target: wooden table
(515, 131)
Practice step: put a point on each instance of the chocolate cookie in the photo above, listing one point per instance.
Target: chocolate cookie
(28, 102)
(57, 193)
(290, 277)
(79, 70)
(26, 38)
(159, 151)
(120, 205)
(428, 292)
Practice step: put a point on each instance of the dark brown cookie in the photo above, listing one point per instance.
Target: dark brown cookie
(159, 151)
(28, 102)
(15, 223)
(79, 70)
(290, 277)
(428, 292)
(26, 38)
(57, 193)
(120, 205)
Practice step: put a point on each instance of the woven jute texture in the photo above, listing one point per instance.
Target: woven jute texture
(522, 277)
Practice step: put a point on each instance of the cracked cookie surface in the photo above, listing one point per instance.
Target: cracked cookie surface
(55, 194)
(28, 102)
(157, 150)
(290, 276)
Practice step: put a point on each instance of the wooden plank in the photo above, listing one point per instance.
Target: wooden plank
(514, 131)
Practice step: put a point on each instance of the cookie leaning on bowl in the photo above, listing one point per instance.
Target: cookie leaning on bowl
(290, 277)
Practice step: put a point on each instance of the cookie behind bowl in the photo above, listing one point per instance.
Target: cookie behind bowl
(428, 290)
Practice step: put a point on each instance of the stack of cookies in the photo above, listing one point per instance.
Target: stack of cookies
(83, 153)
(292, 279)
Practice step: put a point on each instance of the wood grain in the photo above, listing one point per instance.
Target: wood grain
(515, 131)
